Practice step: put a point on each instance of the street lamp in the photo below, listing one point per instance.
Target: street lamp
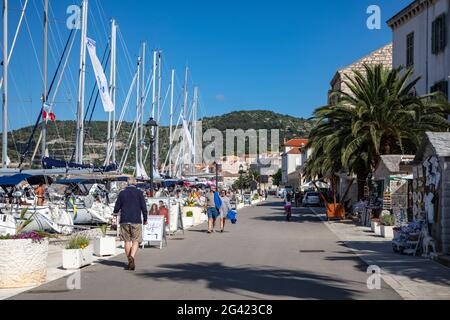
(151, 125)
(217, 174)
(241, 173)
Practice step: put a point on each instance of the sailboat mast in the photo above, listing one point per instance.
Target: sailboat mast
(185, 101)
(158, 116)
(185, 116)
(138, 117)
(5, 86)
(112, 118)
(44, 81)
(172, 85)
(142, 102)
(194, 126)
(81, 85)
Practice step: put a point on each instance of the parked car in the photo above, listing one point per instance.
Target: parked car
(311, 199)
(272, 192)
(281, 192)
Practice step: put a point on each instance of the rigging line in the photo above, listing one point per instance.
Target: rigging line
(19, 25)
(34, 47)
(101, 12)
(124, 108)
(126, 51)
(52, 103)
(38, 120)
(71, 78)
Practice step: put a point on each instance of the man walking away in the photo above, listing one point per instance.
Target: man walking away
(133, 213)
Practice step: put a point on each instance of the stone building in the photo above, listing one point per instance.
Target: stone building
(381, 56)
(432, 187)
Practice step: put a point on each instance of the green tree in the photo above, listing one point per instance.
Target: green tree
(380, 116)
(277, 177)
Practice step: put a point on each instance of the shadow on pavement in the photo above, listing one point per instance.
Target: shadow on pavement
(412, 267)
(259, 280)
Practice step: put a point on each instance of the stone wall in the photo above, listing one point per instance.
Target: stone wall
(445, 205)
(381, 56)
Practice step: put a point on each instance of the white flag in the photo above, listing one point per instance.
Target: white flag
(100, 76)
(187, 135)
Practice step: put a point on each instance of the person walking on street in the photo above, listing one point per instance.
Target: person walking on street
(133, 213)
(212, 209)
(288, 206)
(298, 198)
(224, 209)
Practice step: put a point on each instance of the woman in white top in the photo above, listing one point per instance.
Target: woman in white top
(224, 209)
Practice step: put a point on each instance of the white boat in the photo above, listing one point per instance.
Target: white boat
(48, 219)
(7, 225)
(95, 213)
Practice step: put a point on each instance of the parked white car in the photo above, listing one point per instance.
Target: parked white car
(281, 192)
(311, 199)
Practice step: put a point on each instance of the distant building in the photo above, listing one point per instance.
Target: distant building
(293, 162)
(266, 164)
(381, 56)
(420, 41)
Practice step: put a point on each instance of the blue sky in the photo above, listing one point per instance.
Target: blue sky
(243, 54)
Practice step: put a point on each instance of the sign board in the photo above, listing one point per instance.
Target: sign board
(154, 232)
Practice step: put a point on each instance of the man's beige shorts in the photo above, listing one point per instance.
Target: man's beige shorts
(131, 232)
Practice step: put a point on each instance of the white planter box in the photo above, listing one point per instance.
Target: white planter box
(23, 263)
(239, 206)
(104, 246)
(376, 227)
(188, 222)
(173, 217)
(78, 258)
(387, 232)
(198, 213)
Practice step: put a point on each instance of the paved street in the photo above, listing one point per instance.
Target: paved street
(262, 257)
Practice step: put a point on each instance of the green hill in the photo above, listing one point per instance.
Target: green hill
(61, 135)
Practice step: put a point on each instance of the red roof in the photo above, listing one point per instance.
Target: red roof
(295, 151)
(296, 143)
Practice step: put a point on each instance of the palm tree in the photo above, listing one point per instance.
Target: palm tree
(379, 116)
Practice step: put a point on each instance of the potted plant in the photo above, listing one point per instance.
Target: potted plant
(104, 245)
(255, 199)
(78, 253)
(23, 259)
(376, 226)
(188, 219)
(387, 226)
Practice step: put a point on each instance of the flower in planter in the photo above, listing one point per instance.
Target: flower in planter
(78, 242)
(37, 237)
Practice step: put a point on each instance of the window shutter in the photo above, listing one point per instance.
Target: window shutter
(433, 37)
(444, 32)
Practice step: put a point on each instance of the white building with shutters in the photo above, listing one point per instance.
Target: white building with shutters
(421, 41)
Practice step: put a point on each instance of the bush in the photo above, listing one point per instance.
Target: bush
(79, 242)
(387, 220)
